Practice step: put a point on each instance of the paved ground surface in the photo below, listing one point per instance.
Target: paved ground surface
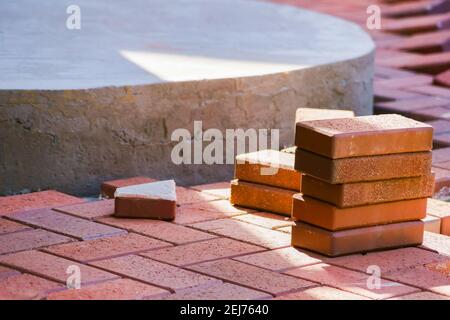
(211, 251)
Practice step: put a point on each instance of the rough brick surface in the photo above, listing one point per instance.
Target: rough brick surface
(103, 248)
(202, 251)
(155, 273)
(266, 220)
(66, 224)
(369, 192)
(281, 259)
(26, 287)
(161, 230)
(35, 200)
(52, 267)
(32, 239)
(7, 226)
(368, 168)
(223, 291)
(246, 232)
(250, 276)
(261, 197)
(89, 210)
(321, 293)
(122, 289)
(218, 189)
(6, 272)
(187, 196)
(351, 281)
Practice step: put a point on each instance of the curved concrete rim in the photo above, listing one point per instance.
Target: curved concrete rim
(165, 42)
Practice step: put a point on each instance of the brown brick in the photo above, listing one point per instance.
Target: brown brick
(369, 192)
(368, 168)
(357, 240)
(363, 136)
(268, 167)
(327, 216)
(137, 207)
(109, 187)
(261, 197)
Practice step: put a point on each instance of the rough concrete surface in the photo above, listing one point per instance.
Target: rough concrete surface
(81, 106)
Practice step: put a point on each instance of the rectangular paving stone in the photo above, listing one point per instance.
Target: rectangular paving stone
(66, 224)
(430, 90)
(188, 196)
(7, 272)
(412, 25)
(121, 289)
(436, 242)
(432, 114)
(89, 210)
(367, 168)
(321, 293)
(246, 232)
(387, 261)
(429, 42)
(32, 239)
(26, 287)
(52, 267)
(266, 220)
(108, 188)
(104, 248)
(155, 273)
(43, 199)
(350, 281)
(363, 136)
(365, 239)
(410, 107)
(369, 192)
(441, 210)
(386, 94)
(432, 277)
(218, 189)
(415, 80)
(161, 230)
(424, 295)
(253, 277)
(281, 259)
(202, 251)
(7, 226)
(207, 210)
(330, 217)
(261, 197)
(222, 291)
(433, 63)
(268, 167)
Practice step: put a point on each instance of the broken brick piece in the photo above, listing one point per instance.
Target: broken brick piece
(368, 168)
(261, 197)
(109, 187)
(155, 200)
(366, 239)
(329, 217)
(363, 136)
(268, 167)
(368, 192)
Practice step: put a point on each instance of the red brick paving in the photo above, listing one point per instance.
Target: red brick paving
(441, 210)
(218, 189)
(321, 293)
(89, 210)
(436, 242)
(422, 296)
(266, 220)
(7, 226)
(26, 287)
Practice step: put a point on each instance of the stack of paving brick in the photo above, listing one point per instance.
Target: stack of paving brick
(365, 185)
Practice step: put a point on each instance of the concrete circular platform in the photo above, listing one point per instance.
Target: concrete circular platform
(79, 106)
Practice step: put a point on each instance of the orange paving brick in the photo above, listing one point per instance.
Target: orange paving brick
(433, 277)
(122, 289)
(365, 239)
(66, 224)
(281, 259)
(202, 251)
(440, 209)
(87, 251)
(266, 220)
(7, 226)
(268, 167)
(108, 188)
(363, 136)
(436, 242)
(412, 25)
(246, 232)
(158, 229)
(327, 216)
(351, 281)
(261, 197)
(54, 268)
(432, 224)
(26, 287)
(209, 210)
(401, 83)
(388, 261)
(372, 192)
(253, 277)
(32, 239)
(424, 295)
(155, 273)
(218, 189)
(433, 63)
(44, 199)
(321, 293)
(89, 210)
(366, 168)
